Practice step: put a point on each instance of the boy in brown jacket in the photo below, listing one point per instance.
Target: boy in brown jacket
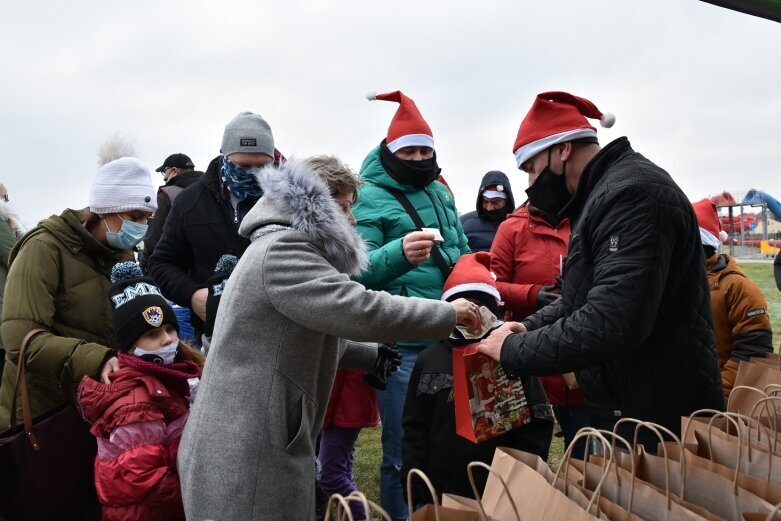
(741, 323)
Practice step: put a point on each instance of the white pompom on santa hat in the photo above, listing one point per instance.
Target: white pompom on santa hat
(472, 273)
(711, 233)
(407, 128)
(556, 117)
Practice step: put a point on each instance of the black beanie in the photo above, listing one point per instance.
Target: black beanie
(137, 305)
(216, 285)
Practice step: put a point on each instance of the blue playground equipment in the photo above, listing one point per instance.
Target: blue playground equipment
(755, 196)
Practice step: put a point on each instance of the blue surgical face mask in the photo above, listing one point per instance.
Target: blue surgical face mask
(130, 234)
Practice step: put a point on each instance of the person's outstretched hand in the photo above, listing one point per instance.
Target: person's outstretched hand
(492, 345)
(468, 314)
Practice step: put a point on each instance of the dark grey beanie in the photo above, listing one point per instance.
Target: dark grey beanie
(248, 132)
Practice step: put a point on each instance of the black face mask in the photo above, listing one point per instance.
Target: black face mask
(419, 174)
(497, 215)
(549, 192)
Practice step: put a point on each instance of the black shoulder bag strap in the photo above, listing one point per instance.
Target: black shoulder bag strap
(444, 267)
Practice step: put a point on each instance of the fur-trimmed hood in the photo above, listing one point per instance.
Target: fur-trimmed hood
(8, 214)
(293, 196)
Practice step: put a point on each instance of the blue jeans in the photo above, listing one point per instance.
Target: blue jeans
(391, 402)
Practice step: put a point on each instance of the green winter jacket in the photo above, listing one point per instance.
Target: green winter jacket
(57, 280)
(383, 223)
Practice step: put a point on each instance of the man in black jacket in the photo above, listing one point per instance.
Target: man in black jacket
(203, 223)
(494, 203)
(634, 319)
(178, 173)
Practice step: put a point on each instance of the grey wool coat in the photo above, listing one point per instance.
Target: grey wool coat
(248, 450)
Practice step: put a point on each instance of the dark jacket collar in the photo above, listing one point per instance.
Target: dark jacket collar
(185, 179)
(592, 174)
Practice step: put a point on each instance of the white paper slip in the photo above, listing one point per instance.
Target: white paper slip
(435, 232)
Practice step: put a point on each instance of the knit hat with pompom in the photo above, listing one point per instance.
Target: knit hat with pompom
(137, 304)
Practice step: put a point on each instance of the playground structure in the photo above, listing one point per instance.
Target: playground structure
(750, 232)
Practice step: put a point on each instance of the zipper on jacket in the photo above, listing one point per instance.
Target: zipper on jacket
(236, 214)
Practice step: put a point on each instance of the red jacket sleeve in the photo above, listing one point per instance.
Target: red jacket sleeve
(520, 299)
(138, 463)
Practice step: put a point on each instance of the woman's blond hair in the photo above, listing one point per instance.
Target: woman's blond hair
(336, 174)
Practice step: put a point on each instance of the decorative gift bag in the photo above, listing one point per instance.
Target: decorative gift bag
(488, 403)
(46, 464)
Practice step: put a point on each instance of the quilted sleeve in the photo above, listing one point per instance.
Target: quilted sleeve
(630, 236)
(135, 464)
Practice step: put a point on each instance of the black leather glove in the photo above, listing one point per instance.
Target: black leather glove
(547, 295)
(388, 361)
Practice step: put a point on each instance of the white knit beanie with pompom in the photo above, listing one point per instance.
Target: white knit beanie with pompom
(123, 183)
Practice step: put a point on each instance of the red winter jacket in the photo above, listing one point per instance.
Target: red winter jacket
(528, 253)
(353, 402)
(138, 420)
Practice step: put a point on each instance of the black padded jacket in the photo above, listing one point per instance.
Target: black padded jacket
(200, 228)
(634, 320)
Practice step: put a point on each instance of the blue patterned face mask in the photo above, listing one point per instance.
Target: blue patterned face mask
(241, 183)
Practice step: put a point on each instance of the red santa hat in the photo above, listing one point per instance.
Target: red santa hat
(556, 117)
(472, 272)
(711, 233)
(407, 128)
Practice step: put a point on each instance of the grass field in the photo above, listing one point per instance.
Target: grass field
(368, 453)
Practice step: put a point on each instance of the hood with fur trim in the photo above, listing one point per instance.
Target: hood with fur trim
(8, 215)
(294, 197)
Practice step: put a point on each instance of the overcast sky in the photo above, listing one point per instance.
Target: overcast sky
(695, 87)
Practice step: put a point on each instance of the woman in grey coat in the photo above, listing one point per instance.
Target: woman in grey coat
(248, 450)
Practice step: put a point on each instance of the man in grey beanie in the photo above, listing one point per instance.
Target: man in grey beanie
(204, 220)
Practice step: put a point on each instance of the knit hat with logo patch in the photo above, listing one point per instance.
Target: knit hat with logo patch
(137, 305)
(407, 128)
(248, 133)
(556, 117)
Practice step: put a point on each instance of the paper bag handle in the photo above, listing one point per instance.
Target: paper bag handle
(767, 401)
(368, 505)
(469, 472)
(424, 478)
(587, 433)
(342, 507)
(740, 388)
(772, 514)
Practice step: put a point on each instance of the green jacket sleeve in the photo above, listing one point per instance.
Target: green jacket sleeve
(386, 261)
(31, 292)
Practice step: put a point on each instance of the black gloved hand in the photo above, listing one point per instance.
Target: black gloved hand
(388, 361)
(546, 295)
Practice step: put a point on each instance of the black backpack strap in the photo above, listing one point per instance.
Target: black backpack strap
(444, 267)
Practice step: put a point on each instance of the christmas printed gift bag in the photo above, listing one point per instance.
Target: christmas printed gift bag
(488, 403)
